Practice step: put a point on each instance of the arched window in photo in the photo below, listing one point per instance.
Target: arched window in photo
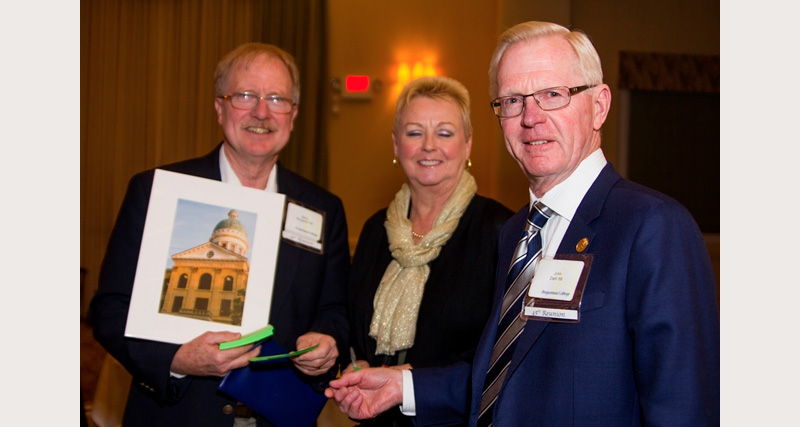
(205, 281)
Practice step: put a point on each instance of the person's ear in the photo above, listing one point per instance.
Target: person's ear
(602, 104)
(219, 107)
(294, 116)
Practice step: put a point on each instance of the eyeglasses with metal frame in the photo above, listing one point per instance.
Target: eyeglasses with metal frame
(547, 99)
(248, 101)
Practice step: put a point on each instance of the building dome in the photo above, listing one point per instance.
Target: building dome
(230, 234)
(231, 223)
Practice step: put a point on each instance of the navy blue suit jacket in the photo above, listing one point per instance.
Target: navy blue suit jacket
(309, 294)
(646, 350)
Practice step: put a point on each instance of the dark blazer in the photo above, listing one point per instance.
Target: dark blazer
(457, 299)
(309, 295)
(646, 350)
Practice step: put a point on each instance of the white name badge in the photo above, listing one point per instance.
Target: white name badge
(556, 290)
(556, 279)
(303, 226)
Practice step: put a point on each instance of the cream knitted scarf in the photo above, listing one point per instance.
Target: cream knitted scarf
(397, 300)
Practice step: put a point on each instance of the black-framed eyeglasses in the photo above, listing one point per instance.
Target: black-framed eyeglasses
(547, 99)
(248, 101)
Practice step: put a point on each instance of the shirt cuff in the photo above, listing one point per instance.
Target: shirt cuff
(409, 406)
(174, 375)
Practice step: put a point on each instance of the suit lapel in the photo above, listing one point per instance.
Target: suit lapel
(210, 164)
(579, 228)
(288, 255)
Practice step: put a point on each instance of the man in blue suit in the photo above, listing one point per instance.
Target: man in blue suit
(258, 90)
(645, 348)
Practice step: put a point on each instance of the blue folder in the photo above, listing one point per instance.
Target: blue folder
(274, 390)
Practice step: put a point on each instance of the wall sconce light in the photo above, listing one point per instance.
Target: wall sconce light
(407, 72)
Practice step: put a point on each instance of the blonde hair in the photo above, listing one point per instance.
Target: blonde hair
(439, 87)
(248, 52)
(588, 59)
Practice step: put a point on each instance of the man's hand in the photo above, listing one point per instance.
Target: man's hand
(368, 392)
(317, 361)
(361, 364)
(202, 356)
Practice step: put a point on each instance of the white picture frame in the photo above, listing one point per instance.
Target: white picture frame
(176, 210)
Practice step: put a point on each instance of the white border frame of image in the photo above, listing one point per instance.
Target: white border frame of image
(144, 319)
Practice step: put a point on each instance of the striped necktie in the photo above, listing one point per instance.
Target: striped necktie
(526, 255)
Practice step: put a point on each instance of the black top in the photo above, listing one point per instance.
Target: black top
(457, 299)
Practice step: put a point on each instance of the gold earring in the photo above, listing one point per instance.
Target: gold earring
(394, 162)
(469, 163)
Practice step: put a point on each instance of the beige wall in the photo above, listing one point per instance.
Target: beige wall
(368, 37)
(373, 38)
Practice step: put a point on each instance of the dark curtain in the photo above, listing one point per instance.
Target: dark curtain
(299, 27)
(674, 132)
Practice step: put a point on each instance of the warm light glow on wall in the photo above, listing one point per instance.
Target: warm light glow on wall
(418, 70)
(407, 71)
(403, 74)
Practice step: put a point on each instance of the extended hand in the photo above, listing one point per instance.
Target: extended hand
(367, 392)
(202, 356)
(361, 364)
(319, 360)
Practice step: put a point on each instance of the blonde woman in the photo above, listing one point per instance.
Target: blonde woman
(422, 277)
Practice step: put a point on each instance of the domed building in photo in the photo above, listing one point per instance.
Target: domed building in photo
(208, 282)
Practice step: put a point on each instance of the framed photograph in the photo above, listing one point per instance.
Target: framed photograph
(207, 260)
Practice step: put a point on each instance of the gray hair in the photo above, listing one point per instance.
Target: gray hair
(248, 52)
(588, 59)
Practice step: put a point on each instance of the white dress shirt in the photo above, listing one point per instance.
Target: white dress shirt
(229, 176)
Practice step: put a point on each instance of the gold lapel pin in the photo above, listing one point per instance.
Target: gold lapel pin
(582, 244)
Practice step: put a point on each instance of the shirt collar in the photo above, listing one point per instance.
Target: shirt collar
(228, 175)
(565, 197)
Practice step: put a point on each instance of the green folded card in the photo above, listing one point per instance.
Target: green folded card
(251, 338)
(284, 355)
